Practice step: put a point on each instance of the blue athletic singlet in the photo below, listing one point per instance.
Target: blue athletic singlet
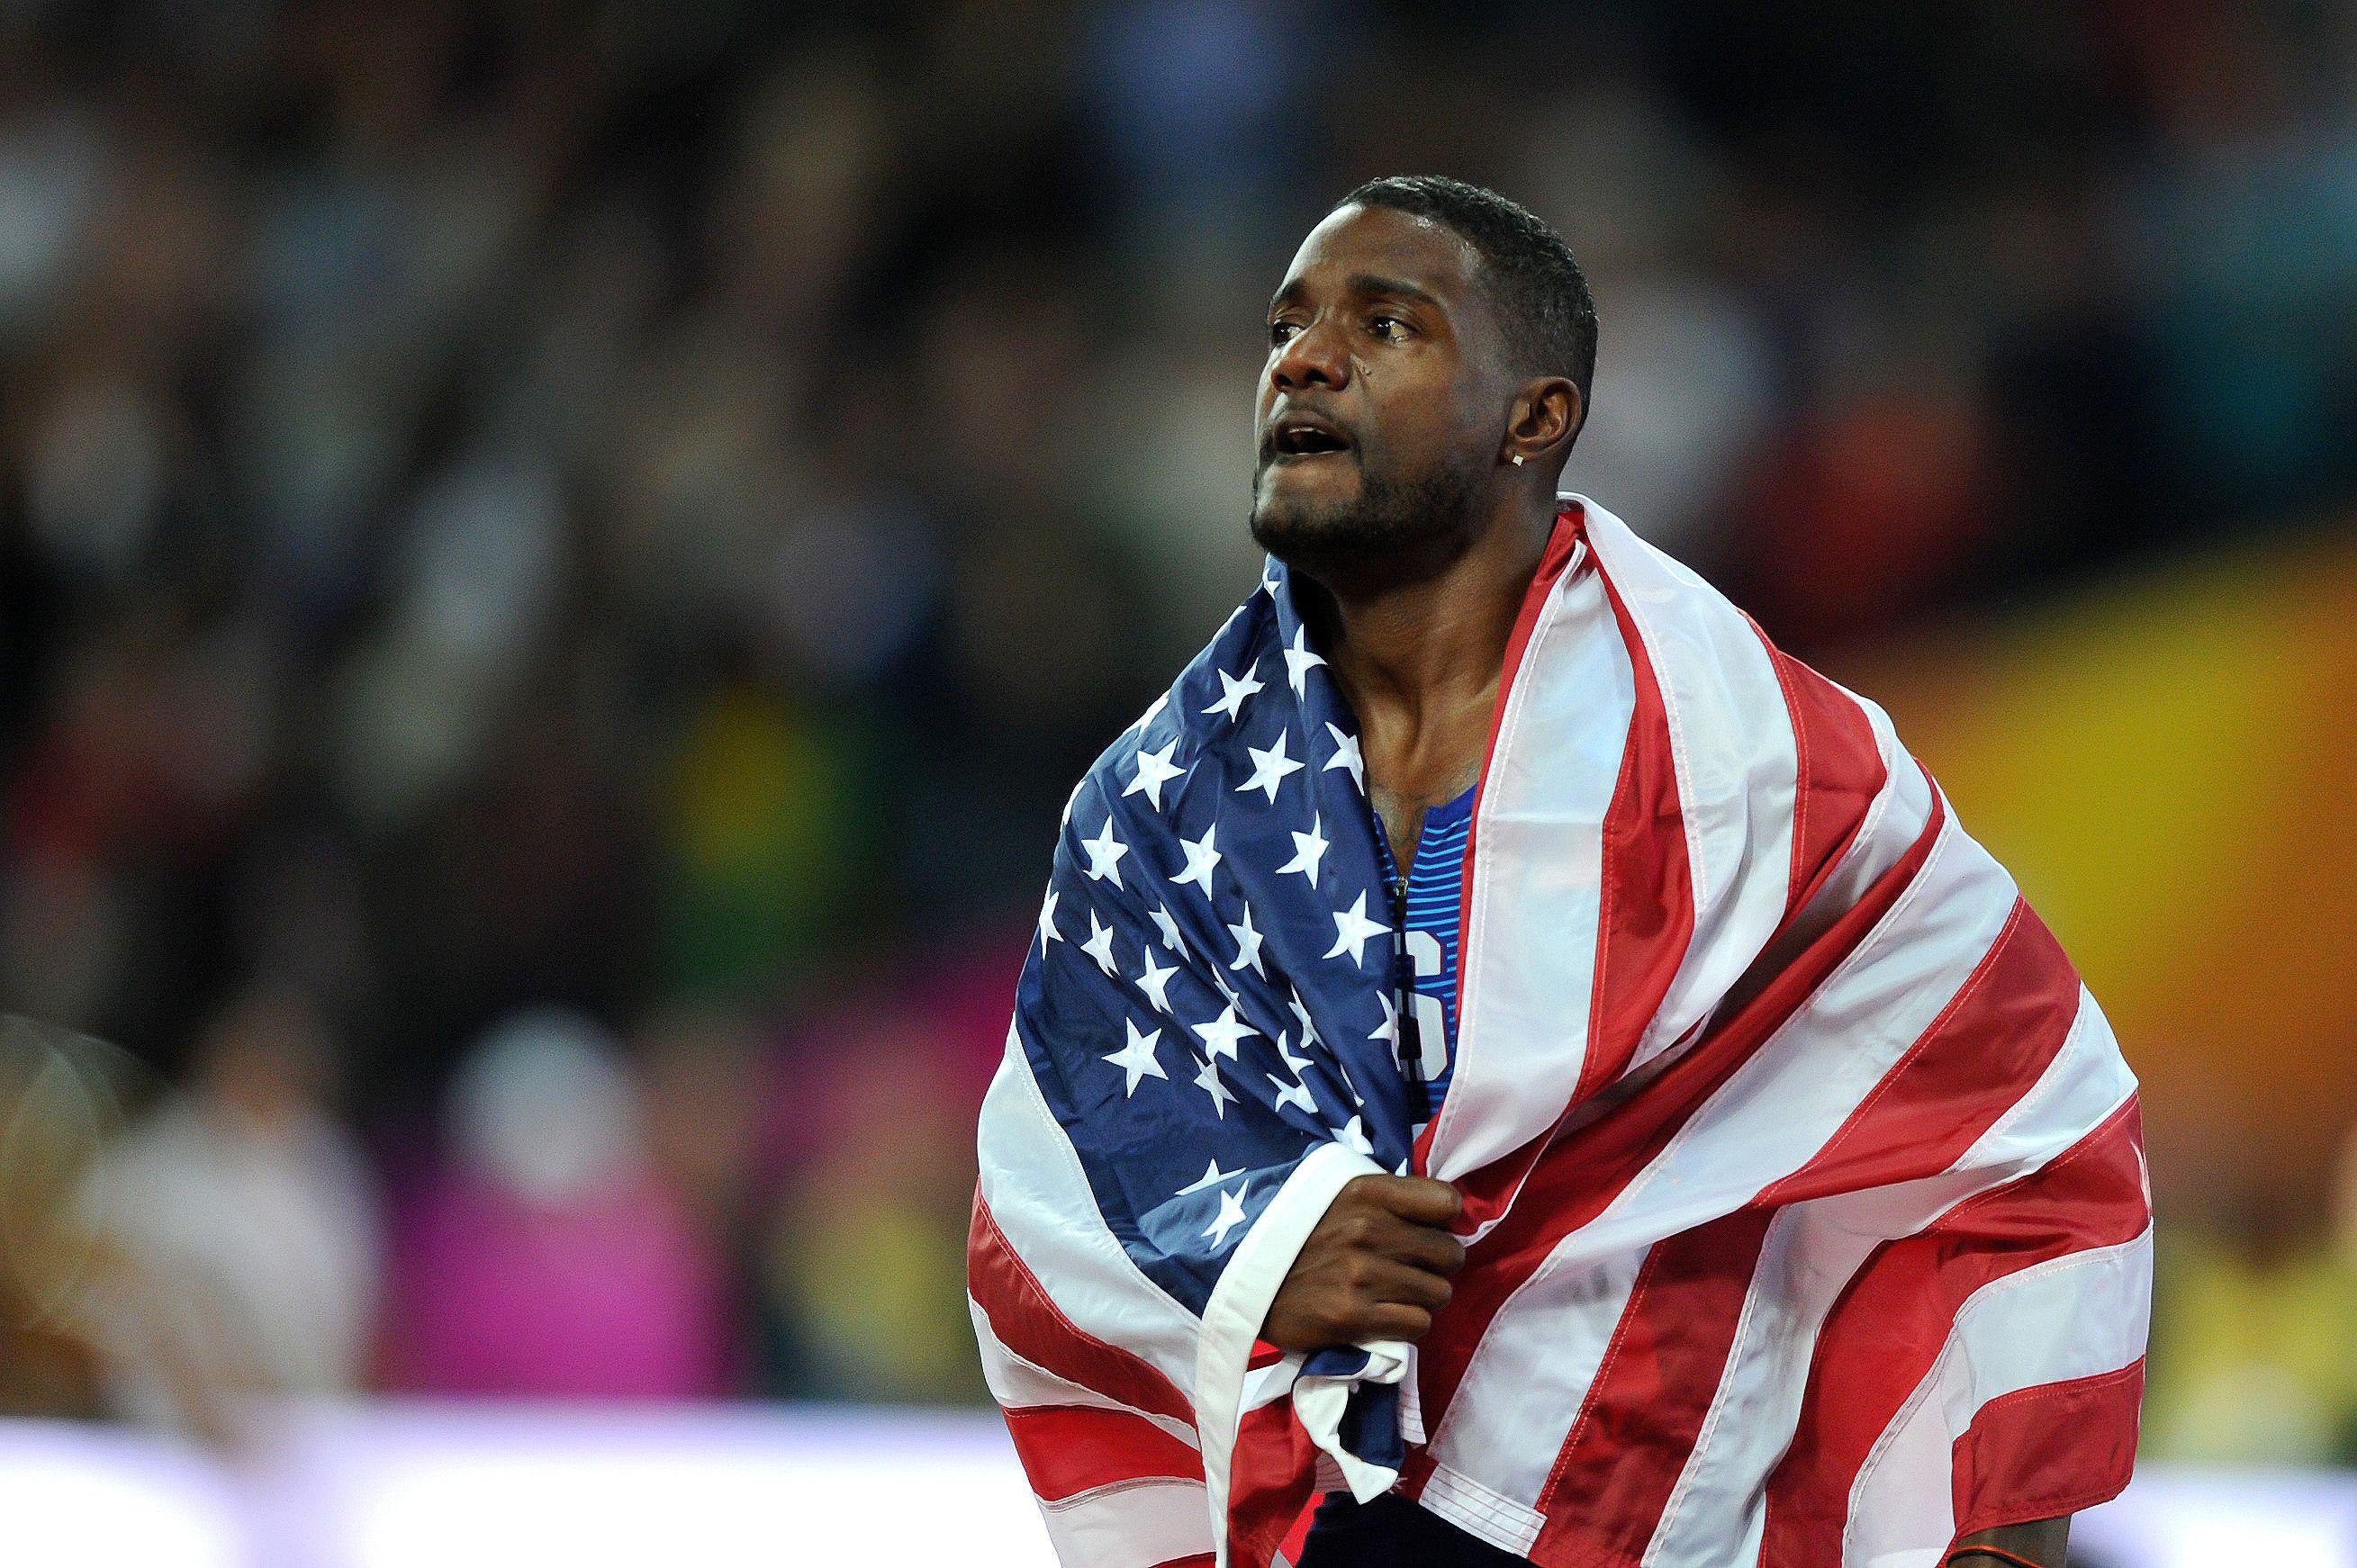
(1436, 884)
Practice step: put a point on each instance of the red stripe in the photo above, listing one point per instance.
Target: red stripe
(1889, 1327)
(1645, 916)
(1645, 1409)
(1271, 1474)
(1071, 1449)
(1582, 1173)
(2044, 1452)
(1839, 771)
(1649, 1396)
(1028, 1323)
(1988, 1047)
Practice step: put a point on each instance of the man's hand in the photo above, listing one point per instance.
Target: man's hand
(1376, 1267)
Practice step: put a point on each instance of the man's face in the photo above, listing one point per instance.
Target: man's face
(1382, 406)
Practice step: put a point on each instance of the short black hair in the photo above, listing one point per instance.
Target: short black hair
(1537, 286)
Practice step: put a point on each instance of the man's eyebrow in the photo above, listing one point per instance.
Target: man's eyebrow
(1361, 283)
(1399, 288)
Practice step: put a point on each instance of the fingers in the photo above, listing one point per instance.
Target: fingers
(1394, 1320)
(1379, 1218)
(1419, 1200)
(1436, 1252)
(1398, 1285)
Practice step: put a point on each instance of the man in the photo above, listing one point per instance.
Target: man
(1640, 1128)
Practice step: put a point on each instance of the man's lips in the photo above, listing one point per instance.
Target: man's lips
(1299, 434)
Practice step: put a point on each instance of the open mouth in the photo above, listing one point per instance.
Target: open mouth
(1301, 439)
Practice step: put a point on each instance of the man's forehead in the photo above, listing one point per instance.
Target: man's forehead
(1353, 239)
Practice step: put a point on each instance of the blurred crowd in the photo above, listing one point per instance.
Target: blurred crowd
(558, 561)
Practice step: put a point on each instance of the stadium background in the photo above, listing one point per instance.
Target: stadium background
(557, 562)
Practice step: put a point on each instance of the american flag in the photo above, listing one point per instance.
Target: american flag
(1805, 1189)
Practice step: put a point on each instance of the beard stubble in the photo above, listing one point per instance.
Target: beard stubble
(1403, 519)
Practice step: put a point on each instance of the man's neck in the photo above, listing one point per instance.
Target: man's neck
(1420, 657)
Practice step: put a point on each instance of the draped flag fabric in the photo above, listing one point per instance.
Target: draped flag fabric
(1804, 1184)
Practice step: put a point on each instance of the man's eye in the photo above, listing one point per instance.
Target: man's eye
(1276, 331)
(1382, 323)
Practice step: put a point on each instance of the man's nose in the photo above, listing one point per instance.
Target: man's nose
(1314, 354)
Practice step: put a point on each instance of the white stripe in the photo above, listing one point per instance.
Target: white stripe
(1032, 1180)
(1528, 955)
(2074, 1316)
(1019, 1384)
(1527, 1378)
(1131, 1524)
(1734, 759)
(1811, 1252)
(1767, 1121)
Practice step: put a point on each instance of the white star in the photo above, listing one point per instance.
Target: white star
(1212, 1176)
(1136, 1059)
(1200, 859)
(1152, 708)
(1352, 929)
(1293, 1064)
(1105, 854)
(1155, 769)
(1220, 1035)
(1291, 1094)
(1309, 849)
(1346, 755)
(1208, 1080)
(1169, 924)
(1100, 943)
(1269, 769)
(1156, 983)
(1232, 703)
(1247, 946)
(1355, 1134)
(1388, 1030)
(1047, 931)
(1299, 661)
(1308, 1029)
(1231, 1215)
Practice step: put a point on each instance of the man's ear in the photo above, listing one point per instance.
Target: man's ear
(1545, 419)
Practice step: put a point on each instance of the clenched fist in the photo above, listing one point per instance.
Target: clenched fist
(1376, 1267)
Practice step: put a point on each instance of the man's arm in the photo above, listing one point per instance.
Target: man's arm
(2043, 1544)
